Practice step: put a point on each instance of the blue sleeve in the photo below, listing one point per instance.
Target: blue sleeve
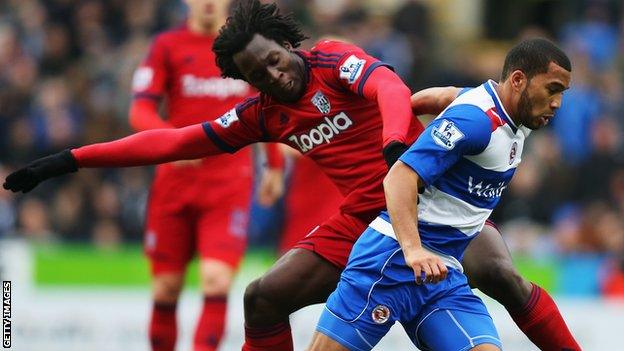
(460, 130)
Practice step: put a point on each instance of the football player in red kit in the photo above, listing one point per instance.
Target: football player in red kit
(347, 112)
(198, 205)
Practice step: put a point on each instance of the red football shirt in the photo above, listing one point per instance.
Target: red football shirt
(180, 68)
(333, 124)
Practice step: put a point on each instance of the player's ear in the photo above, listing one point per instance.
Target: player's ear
(286, 44)
(518, 79)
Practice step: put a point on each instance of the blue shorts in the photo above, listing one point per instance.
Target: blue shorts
(377, 289)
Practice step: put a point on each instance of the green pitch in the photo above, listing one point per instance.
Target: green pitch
(82, 265)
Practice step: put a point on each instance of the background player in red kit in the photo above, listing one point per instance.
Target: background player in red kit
(194, 205)
(309, 199)
(340, 107)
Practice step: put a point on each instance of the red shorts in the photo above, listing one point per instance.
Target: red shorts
(188, 214)
(334, 239)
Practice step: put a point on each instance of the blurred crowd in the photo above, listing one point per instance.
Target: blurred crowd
(65, 68)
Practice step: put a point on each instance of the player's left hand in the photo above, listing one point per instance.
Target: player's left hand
(393, 151)
(29, 177)
(271, 187)
(427, 266)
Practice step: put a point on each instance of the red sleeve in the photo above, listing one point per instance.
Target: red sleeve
(150, 78)
(275, 158)
(239, 127)
(375, 81)
(144, 115)
(148, 148)
(393, 99)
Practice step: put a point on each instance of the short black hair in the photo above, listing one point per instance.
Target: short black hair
(251, 17)
(532, 56)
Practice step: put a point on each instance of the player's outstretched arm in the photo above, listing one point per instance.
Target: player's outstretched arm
(432, 101)
(144, 148)
(401, 190)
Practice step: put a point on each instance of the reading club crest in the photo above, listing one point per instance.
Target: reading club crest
(321, 102)
(380, 314)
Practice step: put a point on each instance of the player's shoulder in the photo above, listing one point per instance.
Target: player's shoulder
(477, 101)
(464, 122)
(470, 109)
(252, 104)
(330, 58)
(334, 47)
(468, 115)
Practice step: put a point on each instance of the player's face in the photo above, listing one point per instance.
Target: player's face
(542, 96)
(272, 68)
(208, 12)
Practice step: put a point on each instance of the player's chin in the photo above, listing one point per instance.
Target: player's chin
(537, 123)
(543, 123)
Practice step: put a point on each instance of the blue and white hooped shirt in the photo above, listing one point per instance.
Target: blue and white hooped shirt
(466, 157)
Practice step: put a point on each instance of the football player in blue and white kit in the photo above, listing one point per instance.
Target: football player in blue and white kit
(406, 266)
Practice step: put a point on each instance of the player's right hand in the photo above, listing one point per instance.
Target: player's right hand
(427, 266)
(29, 177)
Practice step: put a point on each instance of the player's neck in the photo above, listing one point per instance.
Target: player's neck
(202, 28)
(505, 94)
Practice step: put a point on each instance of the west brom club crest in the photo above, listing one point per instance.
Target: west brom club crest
(321, 102)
